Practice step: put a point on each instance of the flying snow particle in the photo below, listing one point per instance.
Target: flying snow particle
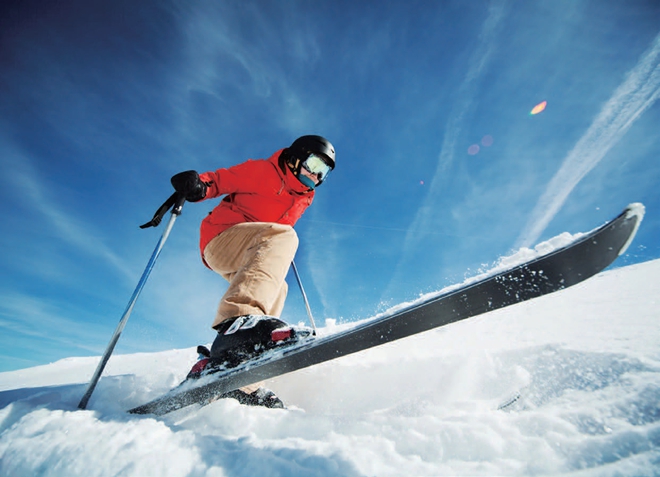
(473, 149)
(487, 140)
(538, 108)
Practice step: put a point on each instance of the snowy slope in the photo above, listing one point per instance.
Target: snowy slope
(586, 362)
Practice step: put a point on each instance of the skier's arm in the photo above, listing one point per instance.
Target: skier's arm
(247, 177)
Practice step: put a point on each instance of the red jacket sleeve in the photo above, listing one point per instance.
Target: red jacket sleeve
(246, 177)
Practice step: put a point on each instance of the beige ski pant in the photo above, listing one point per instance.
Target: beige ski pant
(254, 257)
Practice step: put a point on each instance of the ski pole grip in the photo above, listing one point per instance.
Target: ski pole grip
(173, 200)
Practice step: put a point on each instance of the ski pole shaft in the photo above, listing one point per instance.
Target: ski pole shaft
(176, 211)
(302, 290)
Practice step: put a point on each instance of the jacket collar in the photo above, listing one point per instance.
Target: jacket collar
(290, 181)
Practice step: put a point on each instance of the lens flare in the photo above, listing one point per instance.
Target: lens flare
(538, 108)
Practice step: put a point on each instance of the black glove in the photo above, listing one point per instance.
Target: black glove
(189, 185)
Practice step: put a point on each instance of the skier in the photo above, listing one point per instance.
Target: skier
(249, 240)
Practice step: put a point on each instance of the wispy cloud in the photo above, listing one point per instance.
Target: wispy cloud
(220, 54)
(464, 104)
(324, 268)
(461, 109)
(639, 90)
(40, 320)
(23, 177)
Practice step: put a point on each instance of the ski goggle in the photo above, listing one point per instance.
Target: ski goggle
(315, 164)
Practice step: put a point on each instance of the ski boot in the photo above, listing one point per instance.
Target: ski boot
(246, 337)
(203, 355)
(261, 397)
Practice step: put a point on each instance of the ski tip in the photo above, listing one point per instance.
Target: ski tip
(636, 211)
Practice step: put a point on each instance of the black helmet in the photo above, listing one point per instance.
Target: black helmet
(296, 154)
(305, 145)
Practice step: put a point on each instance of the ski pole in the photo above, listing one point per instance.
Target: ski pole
(177, 202)
(302, 290)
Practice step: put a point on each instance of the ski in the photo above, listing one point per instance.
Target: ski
(557, 270)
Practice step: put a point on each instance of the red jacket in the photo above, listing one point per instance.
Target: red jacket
(258, 191)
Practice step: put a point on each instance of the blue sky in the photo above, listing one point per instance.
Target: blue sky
(102, 102)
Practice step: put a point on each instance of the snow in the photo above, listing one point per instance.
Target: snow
(586, 362)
